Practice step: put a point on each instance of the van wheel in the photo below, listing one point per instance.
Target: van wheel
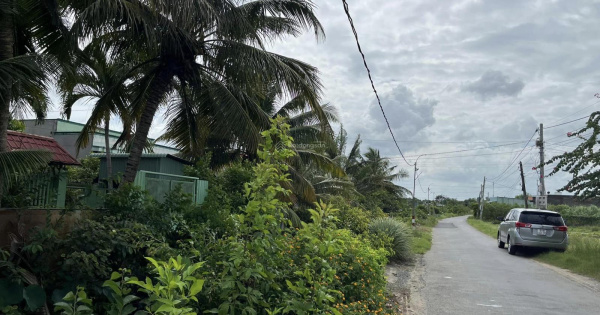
(500, 242)
(511, 248)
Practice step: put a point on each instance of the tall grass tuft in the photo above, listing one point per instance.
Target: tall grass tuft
(399, 234)
(582, 256)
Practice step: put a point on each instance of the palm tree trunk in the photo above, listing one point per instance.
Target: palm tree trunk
(157, 90)
(7, 41)
(109, 179)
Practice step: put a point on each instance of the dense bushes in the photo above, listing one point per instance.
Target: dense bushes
(578, 215)
(251, 261)
(492, 210)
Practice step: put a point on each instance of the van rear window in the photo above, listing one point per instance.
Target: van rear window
(541, 218)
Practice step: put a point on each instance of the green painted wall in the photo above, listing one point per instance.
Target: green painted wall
(149, 162)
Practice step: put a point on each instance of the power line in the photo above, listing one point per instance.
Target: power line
(448, 142)
(347, 10)
(423, 190)
(514, 159)
(575, 113)
(460, 156)
(568, 122)
(465, 150)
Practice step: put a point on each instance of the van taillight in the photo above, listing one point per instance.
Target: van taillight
(522, 225)
(561, 228)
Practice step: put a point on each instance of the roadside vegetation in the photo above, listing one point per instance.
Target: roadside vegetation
(488, 228)
(583, 253)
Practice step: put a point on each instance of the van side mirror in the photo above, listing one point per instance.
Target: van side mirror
(500, 219)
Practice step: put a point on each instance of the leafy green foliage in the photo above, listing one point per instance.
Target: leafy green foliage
(578, 215)
(76, 303)
(582, 163)
(176, 287)
(492, 210)
(16, 125)
(86, 173)
(129, 202)
(260, 264)
(120, 299)
(398, 232)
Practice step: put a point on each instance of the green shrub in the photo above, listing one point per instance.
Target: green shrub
(215, 212)
(233, 179)
(269, 267)
(399, 232)
(129, 202)
(354, 219)
(492, 210)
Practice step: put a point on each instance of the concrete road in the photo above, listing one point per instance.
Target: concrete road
(466, 273)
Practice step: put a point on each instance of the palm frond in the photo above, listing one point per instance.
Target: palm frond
(19, 163)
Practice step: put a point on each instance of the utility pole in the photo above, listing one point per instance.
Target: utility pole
(428, 202)
(542, 187)
(482, 200)
(523, 184)
(493, 189)
(414, 211)
(542, 184)
(479, 201)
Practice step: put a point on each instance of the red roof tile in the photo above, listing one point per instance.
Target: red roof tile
(25, 141)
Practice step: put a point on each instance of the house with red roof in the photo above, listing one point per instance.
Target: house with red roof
(49, 186)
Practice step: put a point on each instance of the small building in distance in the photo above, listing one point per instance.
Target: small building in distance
(66, 132)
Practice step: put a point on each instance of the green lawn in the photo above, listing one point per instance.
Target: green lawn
(582, 256)
(421, 239)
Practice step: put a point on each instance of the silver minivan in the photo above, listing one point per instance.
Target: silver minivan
(532, 228)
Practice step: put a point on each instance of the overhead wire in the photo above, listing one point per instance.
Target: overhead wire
(347, 10)
(516, 157)
(577, 112)
(466, 150)
(461, 156)
(568, 122)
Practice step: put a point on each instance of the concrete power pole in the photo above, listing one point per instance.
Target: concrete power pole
(542, 188)
(523, 185)
(414, 210)
(482, 200)
(428, 202)
(479, 201)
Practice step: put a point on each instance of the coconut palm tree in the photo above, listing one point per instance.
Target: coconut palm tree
(99, 80)
(212, 46)
(32, 41)
(376, 173)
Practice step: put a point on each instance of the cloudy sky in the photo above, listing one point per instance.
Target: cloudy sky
(459, 75)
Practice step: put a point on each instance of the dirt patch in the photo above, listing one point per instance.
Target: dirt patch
(405, 282)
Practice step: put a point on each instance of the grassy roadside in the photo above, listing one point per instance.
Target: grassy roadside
(484, 227)
(582, 256)
(421, 242)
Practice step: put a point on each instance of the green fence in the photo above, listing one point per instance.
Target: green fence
(158, 184)
(47, 188)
